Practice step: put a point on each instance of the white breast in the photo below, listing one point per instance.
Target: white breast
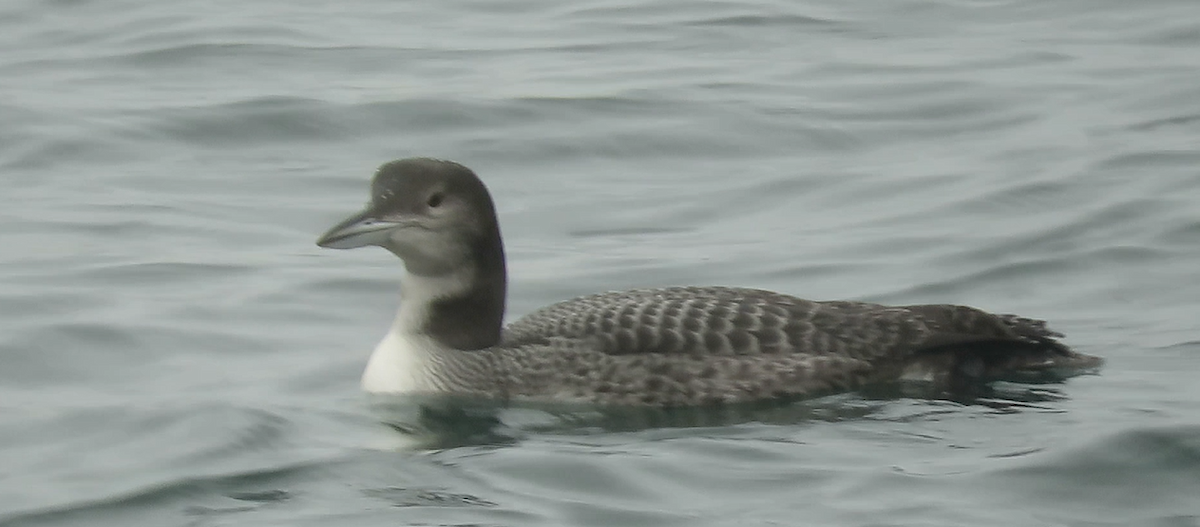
(400, 365)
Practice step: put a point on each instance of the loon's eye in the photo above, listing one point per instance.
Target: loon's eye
(435, 199)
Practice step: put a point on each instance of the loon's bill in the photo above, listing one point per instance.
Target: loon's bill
(675, 346)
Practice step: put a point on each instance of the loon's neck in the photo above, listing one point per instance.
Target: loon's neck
(438, 316)
(462, 309)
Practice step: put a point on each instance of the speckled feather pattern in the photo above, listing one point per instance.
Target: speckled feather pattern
(703, 345)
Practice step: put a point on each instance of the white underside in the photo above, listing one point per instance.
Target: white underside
(399, 365)
(919, 372)
(930, 370)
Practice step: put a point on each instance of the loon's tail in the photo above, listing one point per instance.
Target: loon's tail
(1008, 347)
(1042, 356)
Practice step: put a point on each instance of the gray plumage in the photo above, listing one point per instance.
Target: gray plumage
(663, 347)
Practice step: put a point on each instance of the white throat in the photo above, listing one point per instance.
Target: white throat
(406, 360)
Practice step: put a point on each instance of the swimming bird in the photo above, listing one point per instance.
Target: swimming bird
(664, 347)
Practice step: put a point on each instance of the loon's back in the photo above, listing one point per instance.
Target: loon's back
(697, 345)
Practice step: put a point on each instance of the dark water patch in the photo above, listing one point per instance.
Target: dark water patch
(791, 21)
(1119, 222)
(1022, 196)
(243, 502)
(83, 148)
(418, 497)
(549, 125)
(177, 37)
(996, 273)
(216, 54)
(46, 304)
(244, 124)
(92, 351)
(345, 282)
(167, 273)
(624, 231)
(1132, 163)
(1155, 124)
(169, 502)
(32, 351)
(815, 271)
(1180, 33)
(442, 115)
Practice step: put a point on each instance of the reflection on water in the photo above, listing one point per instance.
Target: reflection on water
(448, 422)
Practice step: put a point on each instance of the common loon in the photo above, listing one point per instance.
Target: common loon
(672, 346)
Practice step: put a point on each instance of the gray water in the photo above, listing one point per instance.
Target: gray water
(174, 349)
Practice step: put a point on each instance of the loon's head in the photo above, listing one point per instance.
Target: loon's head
(438, 217)
(435, 215)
